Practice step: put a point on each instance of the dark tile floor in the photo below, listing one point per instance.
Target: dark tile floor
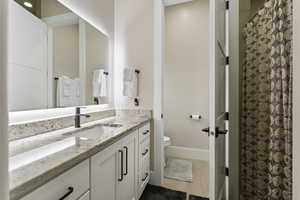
(159, 193)
(192, 197)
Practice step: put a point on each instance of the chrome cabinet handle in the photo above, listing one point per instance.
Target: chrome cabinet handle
(70, 191)
(122, 160)
(126, 171)
(145, 153)
(146, 176)
(146, 132)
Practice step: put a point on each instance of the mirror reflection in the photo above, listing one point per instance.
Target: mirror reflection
(56, 59)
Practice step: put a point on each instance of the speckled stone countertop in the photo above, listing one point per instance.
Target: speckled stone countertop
(29, 177)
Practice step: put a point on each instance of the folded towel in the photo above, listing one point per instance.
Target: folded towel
(103, 83)
(76, 97)
(130, 83)
(128, 74)
(68, 92)
(100, 84)
(97, 82)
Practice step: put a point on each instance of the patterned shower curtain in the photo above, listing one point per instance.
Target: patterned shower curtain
(266, 112)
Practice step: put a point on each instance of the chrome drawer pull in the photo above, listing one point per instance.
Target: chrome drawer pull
(145, 153)
(145, 177)
(70, 191)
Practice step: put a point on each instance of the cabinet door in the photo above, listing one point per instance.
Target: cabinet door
(126, 187)
(104, 174)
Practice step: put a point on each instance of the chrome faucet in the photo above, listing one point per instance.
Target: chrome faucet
(78, 115)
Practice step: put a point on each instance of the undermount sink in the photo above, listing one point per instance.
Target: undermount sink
(72, 139)
(94, 133)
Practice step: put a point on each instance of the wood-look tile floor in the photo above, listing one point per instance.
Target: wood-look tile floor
(199, 185)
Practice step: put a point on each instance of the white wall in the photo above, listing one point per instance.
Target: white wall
(3, 103)
(66, 51)
(97, 54)
(186, 84)
(52, 8)
(296, 101)
(98, 13)
(134, 47)
(27, 60)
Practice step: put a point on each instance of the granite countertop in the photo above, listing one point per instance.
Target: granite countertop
(31, 175)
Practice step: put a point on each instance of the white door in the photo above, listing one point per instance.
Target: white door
(104, 174)
(126, 183)
(217, 90)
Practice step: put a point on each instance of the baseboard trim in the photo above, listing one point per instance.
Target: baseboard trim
(187, 153)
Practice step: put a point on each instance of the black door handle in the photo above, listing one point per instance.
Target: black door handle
(220, 132)
(70, 191)
(122, 160)
(126, 171)
(206, 130)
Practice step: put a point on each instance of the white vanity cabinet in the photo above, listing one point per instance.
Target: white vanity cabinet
(113, 171)
(71, 185)
(122, 171)
(119, 172)
(143, 159)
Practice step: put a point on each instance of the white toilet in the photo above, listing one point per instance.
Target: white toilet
(167, 142)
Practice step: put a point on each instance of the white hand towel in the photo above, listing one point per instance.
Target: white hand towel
(103, 83)
(130, 83)
(64, 91)
(97, 82)
(76, 97)
(128, 74)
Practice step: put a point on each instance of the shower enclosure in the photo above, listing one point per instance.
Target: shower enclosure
(266, 105)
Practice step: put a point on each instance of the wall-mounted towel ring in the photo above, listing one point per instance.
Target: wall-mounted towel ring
(195, 117)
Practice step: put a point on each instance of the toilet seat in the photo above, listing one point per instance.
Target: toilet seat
(167, 141)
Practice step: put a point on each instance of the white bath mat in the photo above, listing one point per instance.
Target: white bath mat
(181, 170)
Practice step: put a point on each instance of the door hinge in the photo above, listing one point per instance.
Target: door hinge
(227, 5)
(226, 117)
(226, 171)
(227, 60)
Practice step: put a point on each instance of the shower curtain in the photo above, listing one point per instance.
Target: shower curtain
(266, 111)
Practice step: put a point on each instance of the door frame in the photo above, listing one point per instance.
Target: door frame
(234, 101)
(4, 190)
(234, 84)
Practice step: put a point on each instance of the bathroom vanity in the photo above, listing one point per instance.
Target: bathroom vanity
(60, 62)
(108, 159)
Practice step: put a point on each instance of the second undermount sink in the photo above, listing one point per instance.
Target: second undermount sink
(95, 133)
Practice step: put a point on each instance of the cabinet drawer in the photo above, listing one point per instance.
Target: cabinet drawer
(144, 174)
(72, 184)
(144, 132)
(144, 149)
